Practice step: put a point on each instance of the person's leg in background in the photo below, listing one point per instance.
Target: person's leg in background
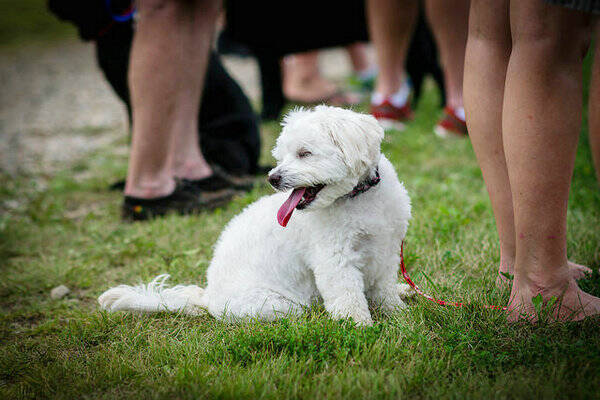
(166, 72)
(359, 57)
(364, 71)
(391, 24)
(304, 83)
(541, 121)
(594, 104)
(449, 23)
(302, 80)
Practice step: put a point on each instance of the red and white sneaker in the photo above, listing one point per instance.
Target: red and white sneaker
(390, 116)
(452, 125)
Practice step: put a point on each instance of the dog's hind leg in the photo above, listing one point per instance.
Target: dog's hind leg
(406, 291)
(264, 304)
(276, 306)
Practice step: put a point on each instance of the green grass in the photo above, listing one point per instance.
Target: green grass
(64, 228)
(26, 21)
(68, 232)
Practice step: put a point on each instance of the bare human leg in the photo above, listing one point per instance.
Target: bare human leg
(359, 57)
(449, 23)
(364, 70)
(594, 104)
(540, 122)
(487, 55)
(488, 51)
(167, 67)
(391, 24)
(303, 82)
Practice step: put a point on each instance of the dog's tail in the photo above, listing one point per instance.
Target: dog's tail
(156, 296)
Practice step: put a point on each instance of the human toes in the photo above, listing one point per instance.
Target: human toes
(579, 271)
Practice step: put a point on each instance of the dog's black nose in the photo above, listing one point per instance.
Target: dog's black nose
(275, 180)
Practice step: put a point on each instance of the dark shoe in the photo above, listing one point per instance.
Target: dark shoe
(219, 180)
(118, 185)
(184, 200)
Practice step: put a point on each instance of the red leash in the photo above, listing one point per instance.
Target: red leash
(428, 297)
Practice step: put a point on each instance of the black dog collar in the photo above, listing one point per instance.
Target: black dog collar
(365, 185)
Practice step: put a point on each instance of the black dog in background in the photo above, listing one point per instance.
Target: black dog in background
(422, 59)
(228, 127)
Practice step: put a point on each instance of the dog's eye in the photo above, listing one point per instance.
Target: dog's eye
(304, 153)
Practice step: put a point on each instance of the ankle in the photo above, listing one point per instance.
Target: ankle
(398, 96)
(149, 188)
(367, 73)
(507, 261)
(459, 112)
(455, 103)
(192, 170)
(547, 282)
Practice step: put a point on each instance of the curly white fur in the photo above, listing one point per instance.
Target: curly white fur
(339, 250)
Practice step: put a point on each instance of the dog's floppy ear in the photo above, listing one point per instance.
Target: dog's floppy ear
(359, 138)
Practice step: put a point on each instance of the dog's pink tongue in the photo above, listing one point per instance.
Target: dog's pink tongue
(285, 211)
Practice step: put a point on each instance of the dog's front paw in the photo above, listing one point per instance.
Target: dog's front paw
(363, 320)
(393, 304)
(406, 291)
(389, 297)
(362, 317)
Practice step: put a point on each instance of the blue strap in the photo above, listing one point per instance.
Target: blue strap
(119, 17)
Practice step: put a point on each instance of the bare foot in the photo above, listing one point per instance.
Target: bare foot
(505, 278)
(318, 90)
(309, 89)
(192, 171)
(570, 302)
(191, 165)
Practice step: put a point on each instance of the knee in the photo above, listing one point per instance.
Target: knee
(482, 43)
(553, 42)
(489, 28)
(486, 45)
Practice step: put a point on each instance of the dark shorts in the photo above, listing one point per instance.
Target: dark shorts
(592, 6)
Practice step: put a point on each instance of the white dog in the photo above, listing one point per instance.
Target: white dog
(341, 248)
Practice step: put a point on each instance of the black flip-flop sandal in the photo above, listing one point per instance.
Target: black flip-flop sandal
(184, 200)
(118, 185)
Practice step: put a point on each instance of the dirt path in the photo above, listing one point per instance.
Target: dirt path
(55, 105)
